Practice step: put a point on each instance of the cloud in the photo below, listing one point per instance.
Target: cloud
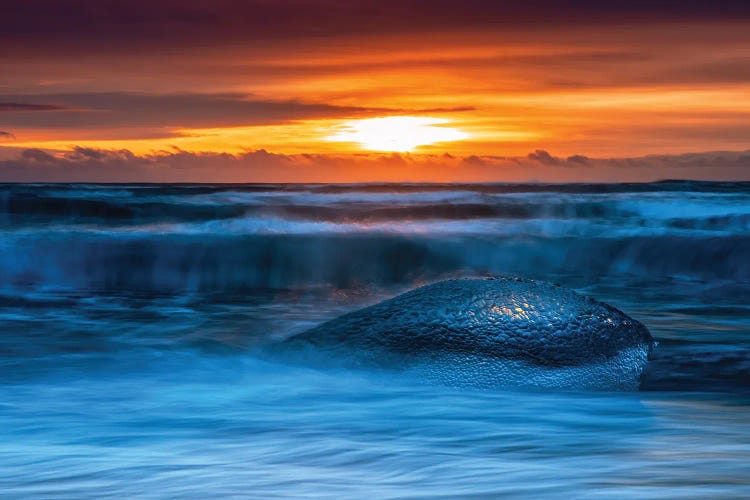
(21, 106)
(37, 155)
(580, 159)
(6, 136)
(128, 109)
(457, 109)
(130, 23)
(544, 158)
(94, 165)
(80, 153)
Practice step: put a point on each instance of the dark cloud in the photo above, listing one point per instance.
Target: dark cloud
(93, 165)
(544, 157)
(583, 160)
(21, 106)
(37, 155)
(122, 109)
(133, 22)
(4, 136)
(81, 153)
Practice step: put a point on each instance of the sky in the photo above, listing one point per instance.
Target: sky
(354, 91)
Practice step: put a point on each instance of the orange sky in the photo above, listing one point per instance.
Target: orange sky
(653, 85)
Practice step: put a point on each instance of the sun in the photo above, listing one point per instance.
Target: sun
(396, 133)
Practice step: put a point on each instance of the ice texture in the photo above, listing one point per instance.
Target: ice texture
(491, 332)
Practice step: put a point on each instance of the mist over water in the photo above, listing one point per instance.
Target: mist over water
(130, 312)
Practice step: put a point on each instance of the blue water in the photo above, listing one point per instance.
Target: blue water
(130, 313)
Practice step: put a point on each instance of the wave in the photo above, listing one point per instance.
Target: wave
(278, 209)
(195, 262)
(226, 237)
(700, 369)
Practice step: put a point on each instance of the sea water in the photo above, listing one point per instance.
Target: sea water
(129, 315)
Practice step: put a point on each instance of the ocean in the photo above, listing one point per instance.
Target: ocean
(130, 316)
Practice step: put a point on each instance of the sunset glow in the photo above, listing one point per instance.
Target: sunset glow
(396, 133)
(339, 78)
